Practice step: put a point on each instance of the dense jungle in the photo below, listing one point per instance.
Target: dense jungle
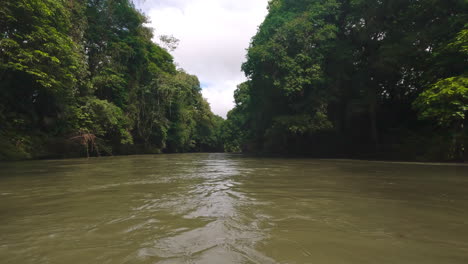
(325, 78)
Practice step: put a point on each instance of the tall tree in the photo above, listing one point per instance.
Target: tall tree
(86, 75)
(339, 77)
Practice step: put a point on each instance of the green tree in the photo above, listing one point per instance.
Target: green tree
(339, 77)
(446, 101)
(39, 62)
(88, 72)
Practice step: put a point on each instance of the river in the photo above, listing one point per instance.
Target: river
(228, 208)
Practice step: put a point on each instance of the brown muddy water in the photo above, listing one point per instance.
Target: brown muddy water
(227, 208)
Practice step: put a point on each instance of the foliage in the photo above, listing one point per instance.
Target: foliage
(340, 78)
(446, 101)
(103, 119)
(89, 70)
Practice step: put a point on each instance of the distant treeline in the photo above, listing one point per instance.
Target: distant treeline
(383, 79)
(83, 77)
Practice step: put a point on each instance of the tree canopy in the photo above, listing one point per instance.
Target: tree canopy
(356, 78)
(85, 77)
(328, 78)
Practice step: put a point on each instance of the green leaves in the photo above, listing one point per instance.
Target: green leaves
(91, 68)
(342, 77)
(286, 66)
(103, 119)
(302, 124)
(38, 45)
(446, 101)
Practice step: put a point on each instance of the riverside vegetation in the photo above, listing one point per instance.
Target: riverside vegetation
(329, 78)
(356, 78)
(85, 78)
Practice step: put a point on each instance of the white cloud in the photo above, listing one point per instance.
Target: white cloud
(214, 36)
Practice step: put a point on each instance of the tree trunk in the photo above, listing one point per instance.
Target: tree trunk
(458, 142)
(462, 140)
(373, 113)
(373, 124)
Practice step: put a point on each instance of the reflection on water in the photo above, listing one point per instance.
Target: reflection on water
(222, 208)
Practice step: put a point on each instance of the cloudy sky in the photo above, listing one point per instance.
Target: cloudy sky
(214, 35)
